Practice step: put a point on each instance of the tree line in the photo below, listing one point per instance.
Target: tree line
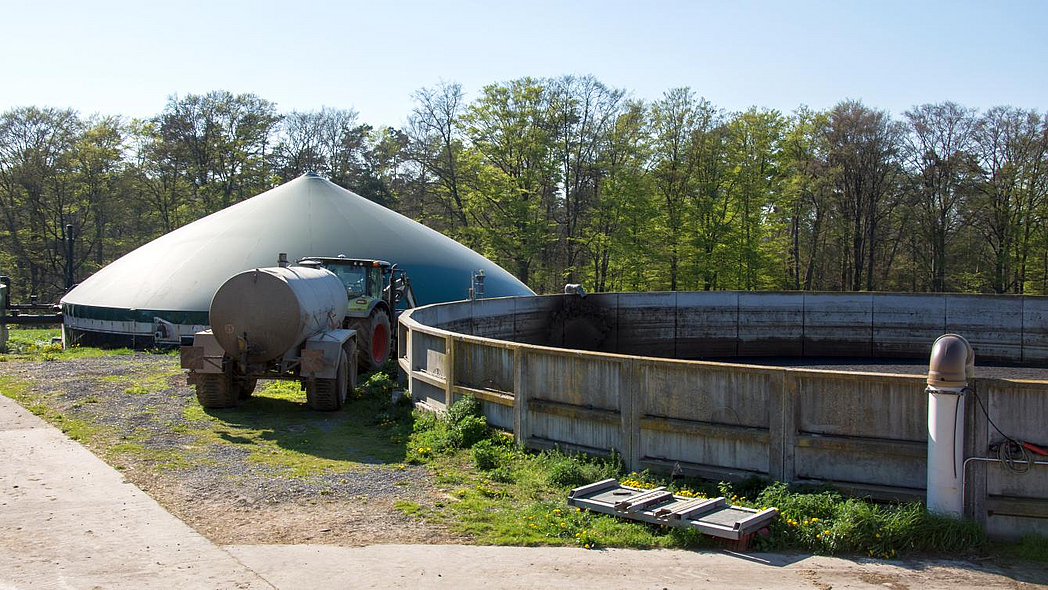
(567, 180)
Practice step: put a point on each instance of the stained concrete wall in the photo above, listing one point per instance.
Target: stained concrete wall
(728, 323)
(859, 431)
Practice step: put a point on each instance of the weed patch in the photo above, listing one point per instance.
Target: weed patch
(506, 496)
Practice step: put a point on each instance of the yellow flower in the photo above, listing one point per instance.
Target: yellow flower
(878, 535)
(556, 511)
(586, 545)
(813, 519)
(563, 524)
(826, 532)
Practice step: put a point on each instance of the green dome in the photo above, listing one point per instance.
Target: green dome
(172, 279)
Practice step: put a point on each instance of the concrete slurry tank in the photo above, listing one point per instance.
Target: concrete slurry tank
(162, 290)
(277, 308)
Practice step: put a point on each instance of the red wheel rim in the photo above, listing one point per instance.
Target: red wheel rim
(379, 342)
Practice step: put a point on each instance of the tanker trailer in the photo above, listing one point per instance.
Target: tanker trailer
(275, 323)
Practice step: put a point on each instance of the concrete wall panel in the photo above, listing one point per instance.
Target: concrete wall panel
(570, 430)
(859, 467)
(993, 325)
(1021, 410)
(1035, 330)
(771, 324)
(716, 394)
(571, 379)
(906, 325)
(838, 324)
(483, 367)
(493, 318)
(883, 407)
(498, 415)
(707, 324)
(736, 454)
(646, 325)
(531, 319)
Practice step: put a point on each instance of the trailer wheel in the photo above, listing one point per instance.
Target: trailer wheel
(245, 386)
(373, 335)
(328, 395)
(215, 390)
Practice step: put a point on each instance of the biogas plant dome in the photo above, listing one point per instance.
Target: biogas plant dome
(166, 286)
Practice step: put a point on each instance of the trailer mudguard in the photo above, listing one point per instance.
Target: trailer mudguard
(321, 351)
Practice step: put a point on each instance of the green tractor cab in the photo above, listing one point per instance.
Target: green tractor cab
(377, 291)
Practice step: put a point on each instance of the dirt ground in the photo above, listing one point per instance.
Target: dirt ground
(226, 496)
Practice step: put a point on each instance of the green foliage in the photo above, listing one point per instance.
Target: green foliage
(487, 456)
(36, 344)
(826, 522)
(569, 471)
(567, 180)
(1030, 548)
(461, 427)
(375, 385)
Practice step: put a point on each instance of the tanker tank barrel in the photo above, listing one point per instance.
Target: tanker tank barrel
(258, 315)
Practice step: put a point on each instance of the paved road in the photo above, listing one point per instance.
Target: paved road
(68, 520)
(463, 567)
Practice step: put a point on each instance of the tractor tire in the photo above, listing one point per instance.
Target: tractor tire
(216, 390)
(328, 395)
(373, 336)
(245, 387)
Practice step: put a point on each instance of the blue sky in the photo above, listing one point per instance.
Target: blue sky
(128, 57)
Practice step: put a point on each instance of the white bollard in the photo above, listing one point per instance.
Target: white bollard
(951, 367)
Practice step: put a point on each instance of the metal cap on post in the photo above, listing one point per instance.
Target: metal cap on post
(950, 369)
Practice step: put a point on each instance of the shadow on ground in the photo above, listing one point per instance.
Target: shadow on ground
(364, 431)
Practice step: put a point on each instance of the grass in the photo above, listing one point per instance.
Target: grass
(279, 430)
(35, 344)
(275, 425)
(501, 495)
(73, 427)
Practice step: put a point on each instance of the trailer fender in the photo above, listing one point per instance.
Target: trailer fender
(204, 355)
(321, 351)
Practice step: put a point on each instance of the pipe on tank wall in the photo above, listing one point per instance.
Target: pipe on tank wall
(950, 369)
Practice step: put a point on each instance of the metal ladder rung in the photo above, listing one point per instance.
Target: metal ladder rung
(650, 501)
(667, 512)
(624, 504)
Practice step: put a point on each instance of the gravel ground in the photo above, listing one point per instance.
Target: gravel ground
(221, 493)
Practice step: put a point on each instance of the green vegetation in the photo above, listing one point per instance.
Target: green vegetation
(279, 430)
(44, 406)
(505, 496)
(36, 344)
(1030, 548)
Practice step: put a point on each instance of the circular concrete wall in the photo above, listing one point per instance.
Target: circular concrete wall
(613, 372)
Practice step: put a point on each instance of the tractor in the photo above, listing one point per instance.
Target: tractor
(377, 291)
